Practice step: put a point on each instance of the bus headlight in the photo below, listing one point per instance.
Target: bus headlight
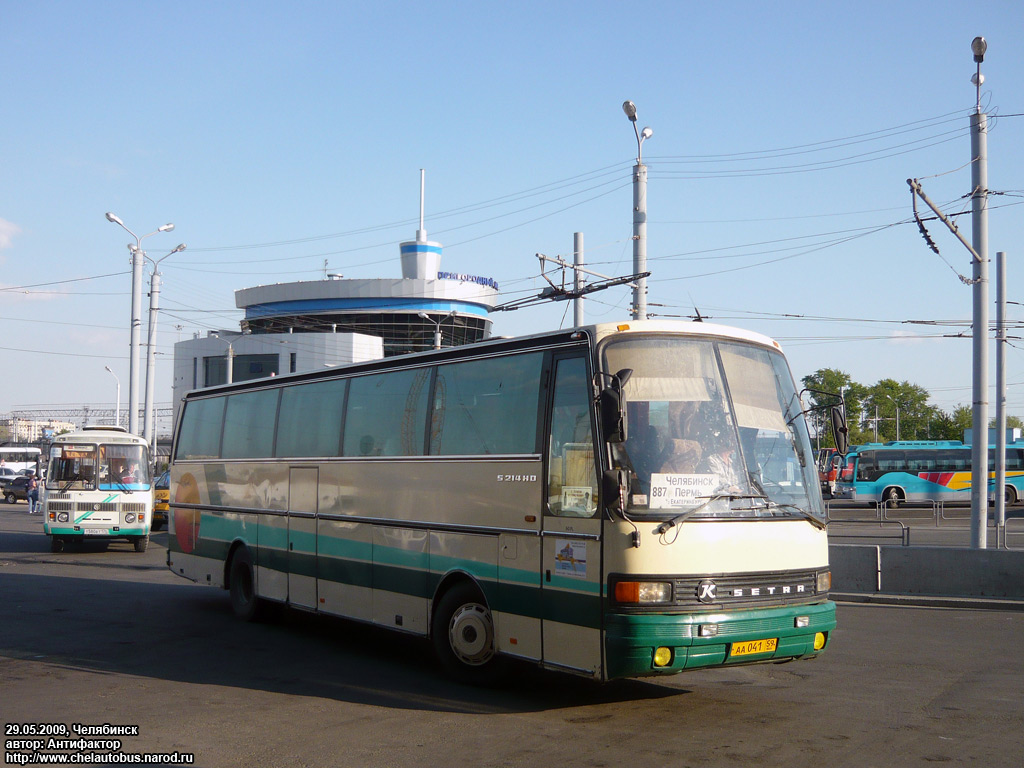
(62, 517)
(824, 581)
(643, 592)
(129, 517)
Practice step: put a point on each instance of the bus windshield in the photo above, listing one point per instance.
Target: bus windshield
(102, 467)
(715, 431)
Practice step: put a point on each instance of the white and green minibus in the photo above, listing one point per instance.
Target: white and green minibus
(614, 501)
(98, 488)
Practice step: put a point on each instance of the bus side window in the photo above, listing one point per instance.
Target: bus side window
(572, 473)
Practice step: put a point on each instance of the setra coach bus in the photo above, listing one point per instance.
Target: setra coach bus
(616, 500)
(98, 488)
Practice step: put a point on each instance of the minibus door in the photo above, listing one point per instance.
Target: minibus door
(302, 548)
(571, 532)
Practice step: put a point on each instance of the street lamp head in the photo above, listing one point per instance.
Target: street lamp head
(630, 109)
(646, 133)
(424, 315)
(181, 247)
(165, 228)
(978, 48)
(113, 218)
(107, 369)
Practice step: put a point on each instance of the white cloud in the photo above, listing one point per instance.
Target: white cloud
(7, 232)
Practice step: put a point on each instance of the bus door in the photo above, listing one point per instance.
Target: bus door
(302, 549)
(571, 533)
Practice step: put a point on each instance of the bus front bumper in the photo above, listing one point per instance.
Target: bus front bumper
(664, 644)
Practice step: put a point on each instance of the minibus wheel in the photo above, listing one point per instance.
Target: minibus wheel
(242, 585)
(140, 543)
(56, 544)
(462, 632)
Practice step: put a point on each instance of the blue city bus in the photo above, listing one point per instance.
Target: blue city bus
(922, 470)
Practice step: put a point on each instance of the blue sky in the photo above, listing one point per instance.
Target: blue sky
(279, 135)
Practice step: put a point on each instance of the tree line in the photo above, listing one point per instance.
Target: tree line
(875, 412)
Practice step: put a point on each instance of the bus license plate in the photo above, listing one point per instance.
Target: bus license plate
(93, 532)
(754, 646)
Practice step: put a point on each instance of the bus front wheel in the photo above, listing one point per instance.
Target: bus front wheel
(462, 631)
(56, 544)
(244, 601)
(140, 543)
(892, 497)
(1009, 495)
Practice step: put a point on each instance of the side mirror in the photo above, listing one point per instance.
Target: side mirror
(613, 415)
(840, 433)
(612, 407)
(613, 481)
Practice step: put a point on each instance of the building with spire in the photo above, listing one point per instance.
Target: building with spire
(308, 325)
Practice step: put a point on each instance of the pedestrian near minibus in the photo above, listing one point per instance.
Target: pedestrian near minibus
(33, 493)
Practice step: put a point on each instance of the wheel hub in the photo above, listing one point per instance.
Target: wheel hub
(471, 634)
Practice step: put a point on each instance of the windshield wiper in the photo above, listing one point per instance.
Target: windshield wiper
(769, 504)
(669, 524)
(811, 518)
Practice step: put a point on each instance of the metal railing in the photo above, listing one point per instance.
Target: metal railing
(935, 513)
(903, 534)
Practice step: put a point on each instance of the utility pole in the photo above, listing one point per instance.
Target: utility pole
(577, 261)
(1000, 389)
(979, 283)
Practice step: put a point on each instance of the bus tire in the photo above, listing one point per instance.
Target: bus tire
(242, 585)
(140, 543)
(892, 497)
(56, 544)
(1009, 495)
(462, 632)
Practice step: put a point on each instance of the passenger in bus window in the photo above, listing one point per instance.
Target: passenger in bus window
(131, 473)
(682, 452)
(722, 462)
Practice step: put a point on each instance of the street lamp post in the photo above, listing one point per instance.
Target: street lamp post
(136, 328)
(639, 216)
(117, 402)
(897, 416)
(230, 355)
(979, 280)
(149, 432)
(437, 326)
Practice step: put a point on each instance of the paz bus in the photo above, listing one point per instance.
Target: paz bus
(921, 471)
(98, 488)
(612, 501)
(18, 459)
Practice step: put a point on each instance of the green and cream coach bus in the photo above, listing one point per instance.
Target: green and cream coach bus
(614, 501)
(98, 488)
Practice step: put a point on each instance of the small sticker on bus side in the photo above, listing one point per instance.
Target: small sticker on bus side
(571, 558)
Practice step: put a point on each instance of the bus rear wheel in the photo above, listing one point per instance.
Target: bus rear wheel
(1009, 495)
(244, 602)
(462, 632)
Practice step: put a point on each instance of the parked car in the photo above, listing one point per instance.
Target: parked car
(161, 500)
(14, 488)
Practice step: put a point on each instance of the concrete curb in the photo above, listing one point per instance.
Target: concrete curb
(929, 601)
